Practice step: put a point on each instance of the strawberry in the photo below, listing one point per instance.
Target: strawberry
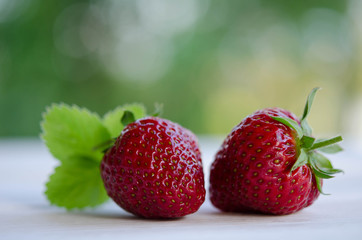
(270, 163)
(154, 170)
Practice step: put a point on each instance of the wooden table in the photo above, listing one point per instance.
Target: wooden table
(26, 214)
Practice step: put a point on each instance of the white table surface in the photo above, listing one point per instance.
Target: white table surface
(25, 165)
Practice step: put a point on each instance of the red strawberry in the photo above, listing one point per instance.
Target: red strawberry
(154, 170)
(269, 164)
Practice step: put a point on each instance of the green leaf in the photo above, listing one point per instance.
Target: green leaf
(290, 123)
(307, 130)
(112, 120)
(330, 171)
(309, 103)
(69, 131)
(319, 185)
(321, 160)
(320, 173)
(76, 184)
(127, 118)
(334, 148)
(326, 142)
(302, 159)
(307, 141)
(324, 164)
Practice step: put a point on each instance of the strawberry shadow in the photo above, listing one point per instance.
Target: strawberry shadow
(122, 216)
(55, 213)
(248, 214)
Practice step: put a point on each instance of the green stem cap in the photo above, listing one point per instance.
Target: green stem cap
(309, 147)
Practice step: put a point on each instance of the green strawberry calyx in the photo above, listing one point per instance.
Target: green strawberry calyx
(77, 138)
(310, 147)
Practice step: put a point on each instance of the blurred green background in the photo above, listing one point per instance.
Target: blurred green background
(210, 63)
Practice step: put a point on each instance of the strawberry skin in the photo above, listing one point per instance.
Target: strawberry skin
(154, 170)
(251, 171)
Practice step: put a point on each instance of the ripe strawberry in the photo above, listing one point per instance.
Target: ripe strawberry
(154, 170)
(269, 164)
